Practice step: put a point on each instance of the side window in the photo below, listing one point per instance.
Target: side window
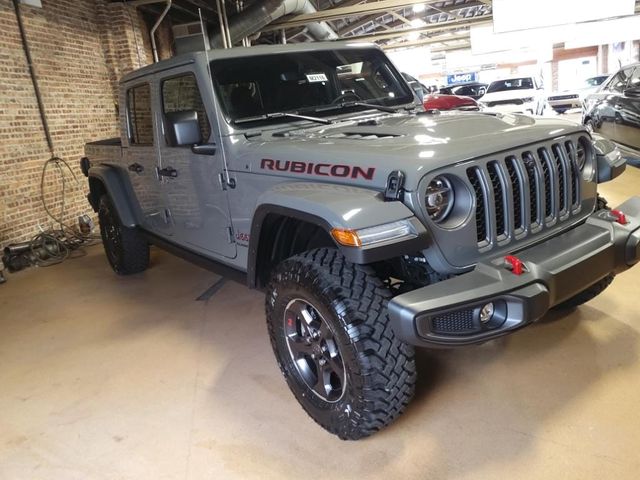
(139, 115)
(619, 81)
(181, 94)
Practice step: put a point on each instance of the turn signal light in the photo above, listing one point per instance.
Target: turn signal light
(348, 238)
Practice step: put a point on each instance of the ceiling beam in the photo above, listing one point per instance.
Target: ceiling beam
(381, 6)
(429, 28)
(371, 18)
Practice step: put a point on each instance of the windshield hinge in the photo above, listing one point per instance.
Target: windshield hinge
(395, 184)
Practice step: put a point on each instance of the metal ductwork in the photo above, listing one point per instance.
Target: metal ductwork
(261, 14)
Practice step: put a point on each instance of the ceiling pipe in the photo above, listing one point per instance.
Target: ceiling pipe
(261, 14)
(154, 47)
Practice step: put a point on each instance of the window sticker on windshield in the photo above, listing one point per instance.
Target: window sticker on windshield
(316, 77)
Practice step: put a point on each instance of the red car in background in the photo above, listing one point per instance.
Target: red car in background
(449, 102)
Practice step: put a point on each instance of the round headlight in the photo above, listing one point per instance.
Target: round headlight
(439, 199)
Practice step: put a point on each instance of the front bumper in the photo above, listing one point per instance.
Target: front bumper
(565, 104)
(448, 313)
(523, 108)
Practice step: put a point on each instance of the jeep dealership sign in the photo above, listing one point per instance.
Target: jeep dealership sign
(462, 78)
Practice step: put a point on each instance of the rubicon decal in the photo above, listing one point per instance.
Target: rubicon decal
(320, 169)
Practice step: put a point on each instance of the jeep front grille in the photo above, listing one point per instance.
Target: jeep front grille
(520, 193)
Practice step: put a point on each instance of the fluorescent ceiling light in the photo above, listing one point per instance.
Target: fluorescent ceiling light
(418, 22)
(419, 7)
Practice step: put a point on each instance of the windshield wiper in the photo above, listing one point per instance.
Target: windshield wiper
(268, 116)
(342, 105)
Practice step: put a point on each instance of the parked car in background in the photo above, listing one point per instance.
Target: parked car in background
(474, 90)
(515, 95)
(450, 102)
(614, 111)
(568, 99)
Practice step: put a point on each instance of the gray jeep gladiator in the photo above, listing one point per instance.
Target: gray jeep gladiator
(310, 171)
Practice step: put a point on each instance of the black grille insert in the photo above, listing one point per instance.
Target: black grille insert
(481, 214)
(460, 321)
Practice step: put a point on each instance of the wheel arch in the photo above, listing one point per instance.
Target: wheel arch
(110, 180)
(278, 233)
(295, 217)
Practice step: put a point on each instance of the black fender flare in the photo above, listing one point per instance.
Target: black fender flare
(114, 181)
(356, 255)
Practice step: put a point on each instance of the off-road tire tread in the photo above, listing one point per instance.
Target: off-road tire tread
(134, 255)
(386, 364)
(587, 294)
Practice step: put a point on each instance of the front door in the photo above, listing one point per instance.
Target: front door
(606, 113)
(192, 181)
(140, 157)
(628, 108)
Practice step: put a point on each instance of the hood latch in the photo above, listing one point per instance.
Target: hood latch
(395, 183)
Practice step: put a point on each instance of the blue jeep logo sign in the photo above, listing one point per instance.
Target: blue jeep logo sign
(462, 78)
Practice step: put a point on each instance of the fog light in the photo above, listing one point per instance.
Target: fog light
(486, 313)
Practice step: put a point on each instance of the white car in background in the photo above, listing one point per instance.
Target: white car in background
(515, 95)
(568, 99)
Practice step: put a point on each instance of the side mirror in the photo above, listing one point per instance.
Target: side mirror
(183, 128)
(633, 92)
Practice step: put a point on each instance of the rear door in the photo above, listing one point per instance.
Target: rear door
(141, 155)
(628, 113)
(192, 182)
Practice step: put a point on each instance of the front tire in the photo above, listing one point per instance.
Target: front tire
(329, 329)
(597, 288)
(126, 249)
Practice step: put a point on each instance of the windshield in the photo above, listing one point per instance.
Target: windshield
(256, 86)
(594, 81)
(511, 84)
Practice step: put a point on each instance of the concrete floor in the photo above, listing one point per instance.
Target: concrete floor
(110, 378)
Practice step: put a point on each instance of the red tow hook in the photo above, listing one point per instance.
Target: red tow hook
(620, 217)
(514, 264)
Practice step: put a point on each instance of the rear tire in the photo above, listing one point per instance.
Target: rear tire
(126, 249)
(369, 374)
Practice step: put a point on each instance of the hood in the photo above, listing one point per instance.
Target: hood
(364, 152)
(509, 94)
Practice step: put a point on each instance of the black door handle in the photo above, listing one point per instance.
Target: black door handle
(136, 168)
(167, 172)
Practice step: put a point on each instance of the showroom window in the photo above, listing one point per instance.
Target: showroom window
(181, 94)
(139, 115)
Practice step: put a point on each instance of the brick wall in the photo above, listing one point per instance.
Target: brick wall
(80, 49)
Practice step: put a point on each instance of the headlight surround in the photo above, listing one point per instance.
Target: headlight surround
(439, 198)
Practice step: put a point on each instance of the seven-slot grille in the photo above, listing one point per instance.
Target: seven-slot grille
(520, 194)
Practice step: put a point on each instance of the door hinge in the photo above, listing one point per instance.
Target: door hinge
(167, 215)
(230, 234)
